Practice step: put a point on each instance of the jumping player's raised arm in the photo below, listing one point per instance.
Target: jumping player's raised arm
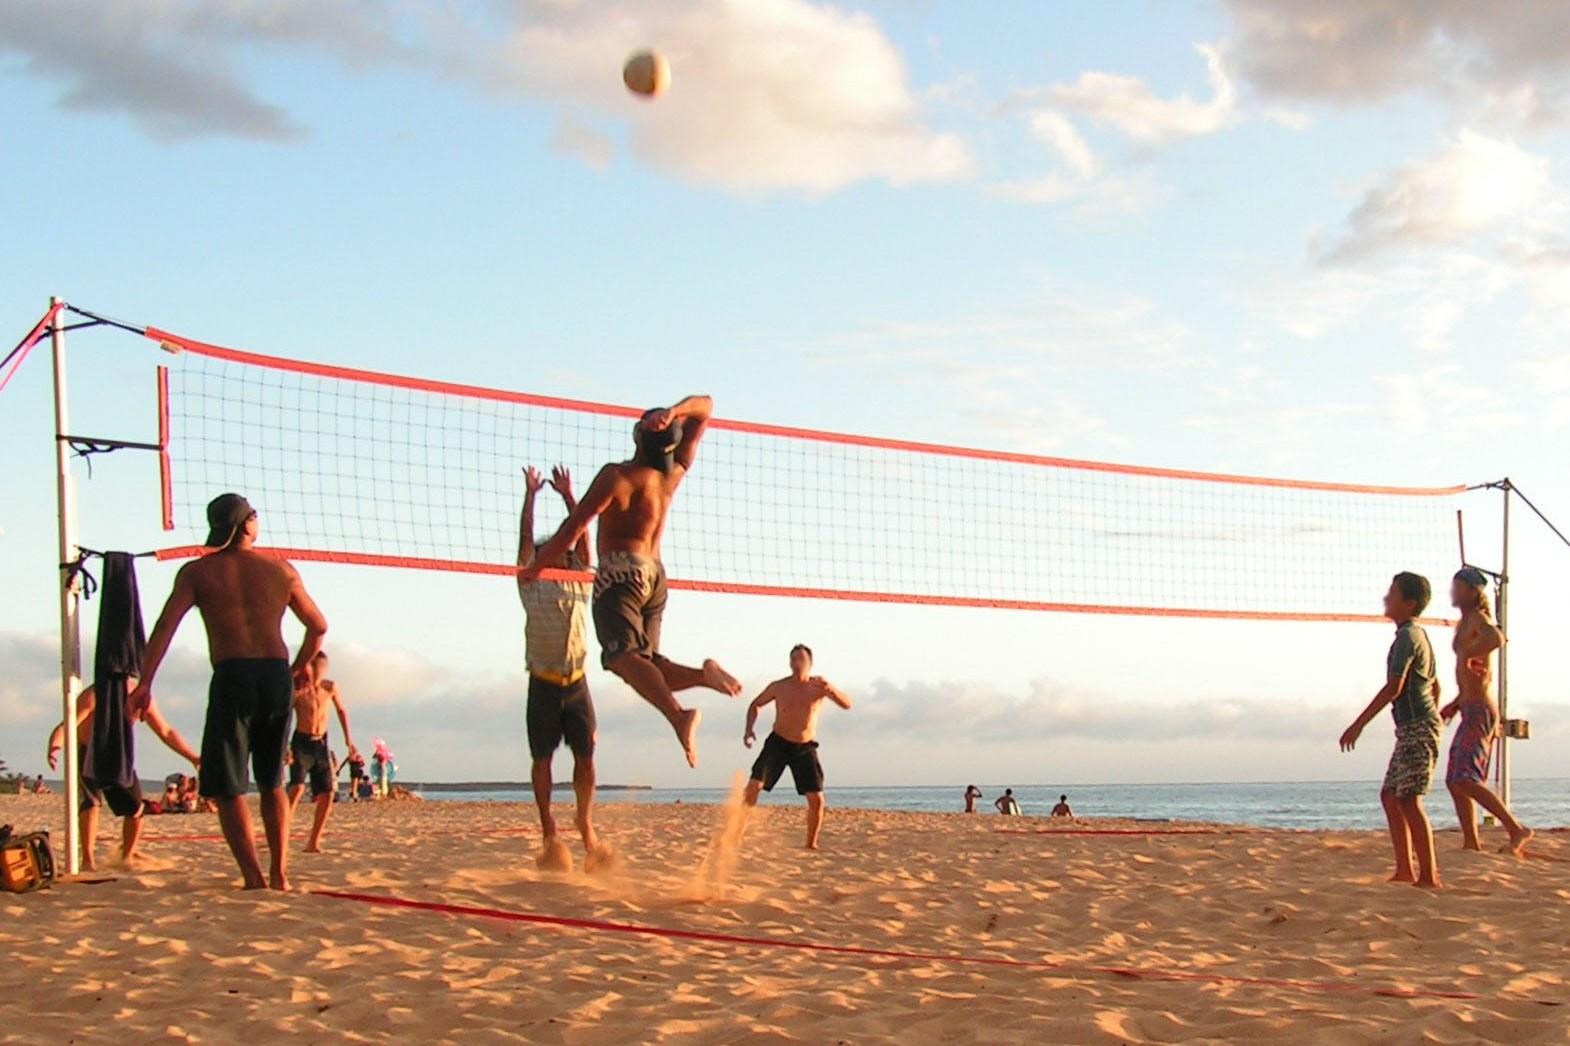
(180, 602)
(693, 413)
(561, 483)
(767, 697)
(595, 499)
(308, 614)
(532, 482)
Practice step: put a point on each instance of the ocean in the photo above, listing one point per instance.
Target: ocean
(1539, 802)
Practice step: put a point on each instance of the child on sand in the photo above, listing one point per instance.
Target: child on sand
(1410, 689)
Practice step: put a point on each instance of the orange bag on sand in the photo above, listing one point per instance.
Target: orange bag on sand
(26, 862)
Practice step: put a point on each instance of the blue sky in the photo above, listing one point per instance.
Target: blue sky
(1190, 235)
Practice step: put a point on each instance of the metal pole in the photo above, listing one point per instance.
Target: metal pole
(1504, 650)
(70, 597)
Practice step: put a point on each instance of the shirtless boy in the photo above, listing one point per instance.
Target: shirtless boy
(797, 700)
(308, 754)
(125, 803)
(241, 596)
(632, 499)
(1476, 639)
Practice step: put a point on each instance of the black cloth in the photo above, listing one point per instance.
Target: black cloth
(556, 713)
(801, 757)
(311, 759)
(111, 751)
(122, 801)
(629, 606)
(248, 707)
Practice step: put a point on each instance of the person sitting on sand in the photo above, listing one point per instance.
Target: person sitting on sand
(559, 708)
(122, 802)
(797, 700)
(1476, 639)
(632, 500)
(241, 595)
(39, 788)
(1062, 810)
(1410, 690)
(1006, 804)
(972, 793)
(309, 756)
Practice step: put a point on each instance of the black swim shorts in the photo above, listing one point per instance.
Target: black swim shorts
(311, 758)
(248, 708)
(556, 713)
(122, 802)
(801, 757)
(629, 601)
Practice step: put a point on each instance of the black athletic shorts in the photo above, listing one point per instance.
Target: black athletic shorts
(556, 713)
(311, 758)
(802, 758)
(629, 602)
(122, 802)
(248, 709)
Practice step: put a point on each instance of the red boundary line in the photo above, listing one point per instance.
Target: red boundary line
(1137, 973)
(795, 592)
(322, 370)
(165, 475)
(25, 346)
(1123, 831)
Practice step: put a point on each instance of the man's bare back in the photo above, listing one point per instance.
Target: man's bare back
(242, 596)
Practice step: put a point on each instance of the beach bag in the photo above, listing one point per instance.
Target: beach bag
(26, 862)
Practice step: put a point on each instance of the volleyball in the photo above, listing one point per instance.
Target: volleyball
(647, 73)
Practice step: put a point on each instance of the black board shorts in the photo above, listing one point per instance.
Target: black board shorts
(558, 713)
(122, 802)
(312, 760)
(629, 605)
(248, 708)
(801, 757)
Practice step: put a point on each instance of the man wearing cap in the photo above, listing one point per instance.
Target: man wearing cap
(1476, 639)
(631, 499)
(241, 595)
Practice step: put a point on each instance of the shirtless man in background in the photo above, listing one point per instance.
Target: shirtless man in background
(631, 499)
(241, 596)
(1476, 639)
(308, 754)
(797, 700)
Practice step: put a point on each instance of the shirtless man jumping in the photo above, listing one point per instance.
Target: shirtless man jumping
(1476, 639)
(308, 755)
(125, 803)
(631, 499)
(241, 595)
(797, 700)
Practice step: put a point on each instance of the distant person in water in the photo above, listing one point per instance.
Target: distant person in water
(972, 793)
(797, 700)
(555, 638)
(1411, 688)
(1062, 810)
(242, 596)
(1476, 639)
(632, 499)
(1006, 804)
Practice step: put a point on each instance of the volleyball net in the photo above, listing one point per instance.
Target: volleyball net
(356, 466)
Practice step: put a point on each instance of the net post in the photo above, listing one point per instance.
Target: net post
(165, 479)
(70, 593)
(1504, 650)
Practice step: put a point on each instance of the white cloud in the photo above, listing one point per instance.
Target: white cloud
(1078, 176)
(1508, 61)
(766, 95)
(1129, 105)
(578, 139)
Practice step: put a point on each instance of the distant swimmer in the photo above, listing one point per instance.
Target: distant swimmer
(797, 700)
(631, 499)
(1062, 810)
(555, 636)
(124, 802)
(1476, 639)
(308, 752)
(1006, 804)
(972, 793)
(241, 595)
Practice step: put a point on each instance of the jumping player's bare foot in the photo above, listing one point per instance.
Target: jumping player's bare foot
(313, 848)
(278, 881)
(716, 678)
(257, 883)
(601, 859)
(1516, 847)
(554, 856)
(1430, 884)
(687, 730)
(1402, 877)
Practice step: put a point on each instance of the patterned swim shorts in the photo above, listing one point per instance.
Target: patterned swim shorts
(1473, 744)
(1412, 763)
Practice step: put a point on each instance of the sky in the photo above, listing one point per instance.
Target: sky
(1328, 240)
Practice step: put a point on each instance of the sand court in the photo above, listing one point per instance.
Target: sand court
(923, 927)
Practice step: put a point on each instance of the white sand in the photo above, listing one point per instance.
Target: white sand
(175, 952)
